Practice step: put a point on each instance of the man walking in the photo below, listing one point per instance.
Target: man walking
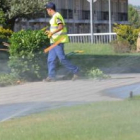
(57, 32)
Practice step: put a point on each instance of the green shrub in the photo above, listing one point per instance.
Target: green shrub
(134, 38)
(4, 34)
(8, 79)
(128, 34)
(26, 54)
(121, 46)
(96, 73)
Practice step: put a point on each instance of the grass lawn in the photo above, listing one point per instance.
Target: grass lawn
(90, 49)
(103, 57)
(97, 121)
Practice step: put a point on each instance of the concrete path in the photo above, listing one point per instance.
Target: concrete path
(34, 97)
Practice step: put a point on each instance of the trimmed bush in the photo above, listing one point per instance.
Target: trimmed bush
(126, 33)
(26, 54)
(5, 34)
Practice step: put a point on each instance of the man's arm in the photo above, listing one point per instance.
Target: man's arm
(60, 27)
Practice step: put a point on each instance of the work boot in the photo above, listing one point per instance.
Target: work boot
(48, 79)
(75, 77)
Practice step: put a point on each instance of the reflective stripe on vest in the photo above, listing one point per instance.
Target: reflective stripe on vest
(63, 33)
(55, 27)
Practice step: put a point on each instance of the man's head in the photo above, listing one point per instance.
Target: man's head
(50, 7)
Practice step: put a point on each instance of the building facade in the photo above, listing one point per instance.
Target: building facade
(77, 15)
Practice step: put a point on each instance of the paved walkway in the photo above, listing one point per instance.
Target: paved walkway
(38, 96)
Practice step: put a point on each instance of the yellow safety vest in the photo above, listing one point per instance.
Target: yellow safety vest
(53, 26)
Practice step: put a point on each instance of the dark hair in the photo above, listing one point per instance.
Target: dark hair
(50, 5)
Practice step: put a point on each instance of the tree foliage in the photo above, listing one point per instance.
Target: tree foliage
(2, 17)
(137, 7)
(14, 9)
(133, 16)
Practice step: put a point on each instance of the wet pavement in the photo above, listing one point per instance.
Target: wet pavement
(124, 92)
(21, 100)
(23, 109)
